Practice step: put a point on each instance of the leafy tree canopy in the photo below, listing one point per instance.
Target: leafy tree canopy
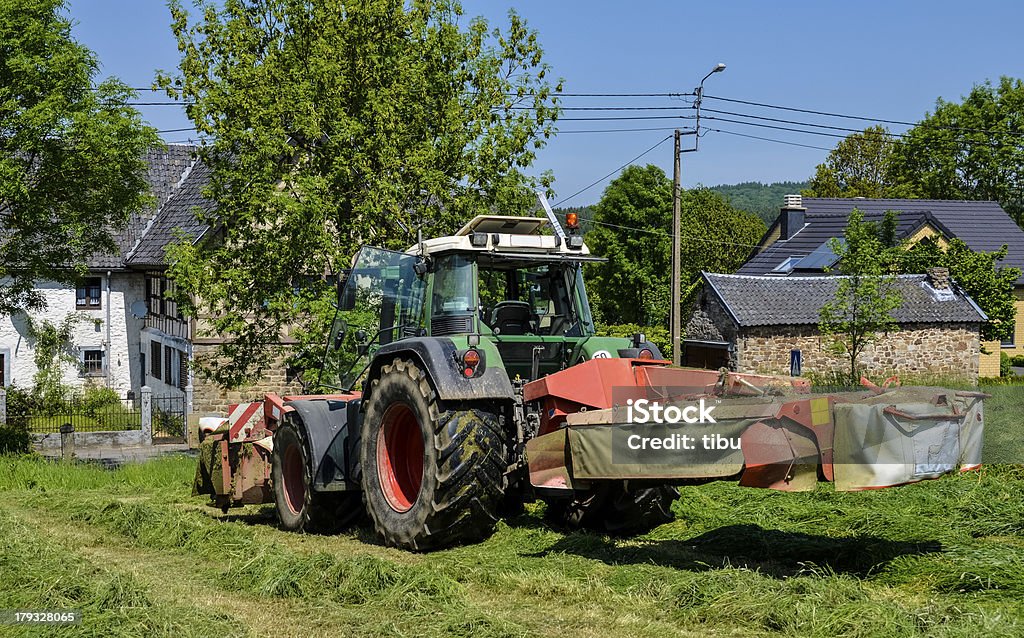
(859, 166)
(630, 227)
(71, 153)
(332, 124)
(969, 150)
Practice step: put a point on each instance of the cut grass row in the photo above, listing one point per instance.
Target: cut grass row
(943, 558)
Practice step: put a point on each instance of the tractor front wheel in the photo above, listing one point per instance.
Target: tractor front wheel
(432, 477)
(299, 507)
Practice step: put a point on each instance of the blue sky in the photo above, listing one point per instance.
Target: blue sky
(868, 58)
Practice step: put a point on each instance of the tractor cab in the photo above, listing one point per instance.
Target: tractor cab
(500, 284)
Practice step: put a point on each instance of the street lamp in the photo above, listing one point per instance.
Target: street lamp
(676, 322)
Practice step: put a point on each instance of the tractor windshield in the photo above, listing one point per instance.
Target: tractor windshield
(539, 298)
(381, 302)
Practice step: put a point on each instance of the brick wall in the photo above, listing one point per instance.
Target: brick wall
(210, 398)
(939, 349)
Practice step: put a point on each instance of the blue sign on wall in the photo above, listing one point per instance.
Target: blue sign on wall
(794, 363)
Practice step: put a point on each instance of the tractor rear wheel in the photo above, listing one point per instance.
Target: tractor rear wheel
(299, 508)
(432, 477)
(614, 508)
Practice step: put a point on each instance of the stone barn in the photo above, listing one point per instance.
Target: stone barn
(767, 324)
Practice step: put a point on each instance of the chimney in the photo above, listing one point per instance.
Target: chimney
(791, 218)
(938, 278)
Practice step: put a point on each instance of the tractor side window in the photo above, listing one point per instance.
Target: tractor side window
(453, 286)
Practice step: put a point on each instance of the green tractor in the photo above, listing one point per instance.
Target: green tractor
(442, 340)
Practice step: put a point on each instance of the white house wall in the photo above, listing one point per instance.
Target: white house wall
(121, 357)
(182, 348)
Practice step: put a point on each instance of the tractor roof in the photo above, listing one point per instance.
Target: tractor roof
(500, 236)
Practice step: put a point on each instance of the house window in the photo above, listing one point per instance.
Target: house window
(87, 294)
(92, 362)
(155, 287)
(170, 305)
(169, 365)
(1011, 342)
(155, 360)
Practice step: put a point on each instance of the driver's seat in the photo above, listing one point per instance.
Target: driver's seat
(511, 318)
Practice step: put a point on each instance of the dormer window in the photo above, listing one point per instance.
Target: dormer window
(787, 265)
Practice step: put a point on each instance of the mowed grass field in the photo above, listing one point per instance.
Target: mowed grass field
(141, 557)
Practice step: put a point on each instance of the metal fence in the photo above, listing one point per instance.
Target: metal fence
(166, 414)
(169, 417)
(85, 415)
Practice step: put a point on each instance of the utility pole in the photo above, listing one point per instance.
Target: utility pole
(677, 248)
(677, 302)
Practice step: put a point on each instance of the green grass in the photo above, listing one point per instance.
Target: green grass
(140, 556)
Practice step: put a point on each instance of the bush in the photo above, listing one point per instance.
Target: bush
(655, 334)
(100, 400)
(1017, 360)
(21, 404)
(14, 438)
(1004, 365)
(168, 423)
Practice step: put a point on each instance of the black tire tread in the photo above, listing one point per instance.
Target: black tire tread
(322, 512)
(469, 471)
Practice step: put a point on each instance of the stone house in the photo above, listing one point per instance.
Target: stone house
(752, 323)
(796, 244)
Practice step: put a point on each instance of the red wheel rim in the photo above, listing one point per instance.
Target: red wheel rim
(294, 479)
(400, 457)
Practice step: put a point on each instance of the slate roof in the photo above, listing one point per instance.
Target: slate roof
(166, 166)
(777, 301)
(177, 218)
(984, 226)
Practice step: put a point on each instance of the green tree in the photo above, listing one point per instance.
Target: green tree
(969, 150)
(332, 124)
(628, 227)
(71, 153)
(978, 273)
(865, 297)
(859, 166)
(51, 345)
(631, 228)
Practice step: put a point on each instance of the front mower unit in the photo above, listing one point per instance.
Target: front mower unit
(767, 431)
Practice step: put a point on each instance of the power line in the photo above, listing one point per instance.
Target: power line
(777, 128)
(824, 126)
(596, 182)
(621, 130)
(769, 139)
(862, 118)
(809, 111)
